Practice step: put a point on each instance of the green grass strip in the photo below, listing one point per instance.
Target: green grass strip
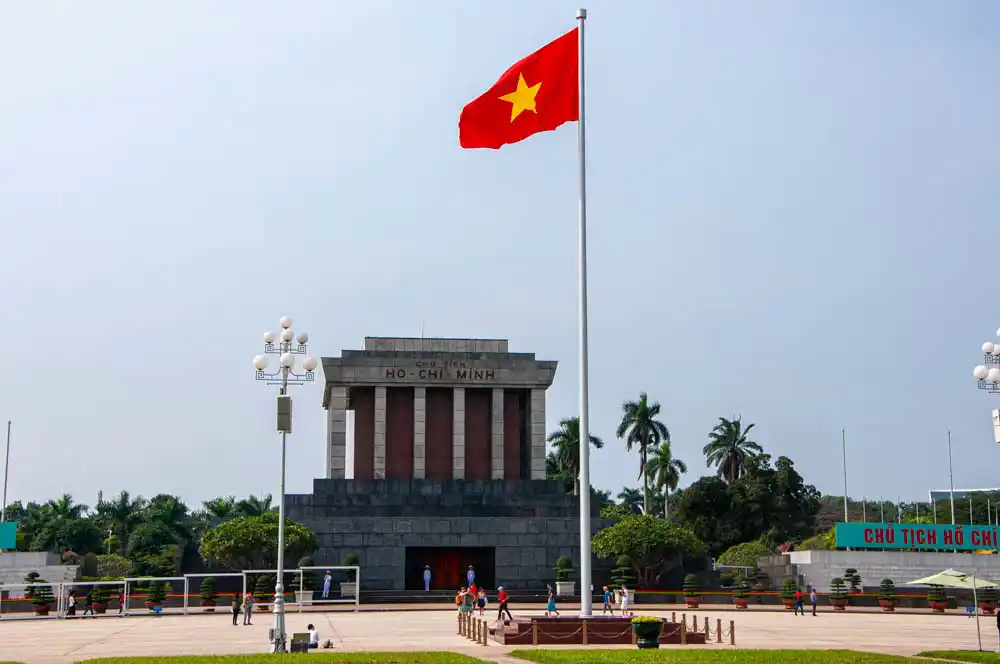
(964, 655)
(695, 656)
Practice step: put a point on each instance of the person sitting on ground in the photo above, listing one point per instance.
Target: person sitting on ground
(313, 636)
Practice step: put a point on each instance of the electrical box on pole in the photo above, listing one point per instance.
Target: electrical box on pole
(284, 413)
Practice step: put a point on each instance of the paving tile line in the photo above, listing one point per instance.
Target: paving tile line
(129, 625)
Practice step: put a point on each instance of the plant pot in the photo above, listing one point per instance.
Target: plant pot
(854, 591)
(565, 588)
(937, 607)
(839, 604)
(887, 605)
(988, 608)
(740, 602)
(40, 609)
(100, 607)
(788, 603)
(349, 589)
(208, 605)
(303, 597)
(647, 634)
(691, 602)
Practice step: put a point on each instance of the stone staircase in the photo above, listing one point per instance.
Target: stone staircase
(14, 566)
(779, 568)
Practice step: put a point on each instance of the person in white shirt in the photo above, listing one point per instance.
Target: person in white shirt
(313, 636)
(470, 576)
(326, 584)
(623, 594)
(427, 578)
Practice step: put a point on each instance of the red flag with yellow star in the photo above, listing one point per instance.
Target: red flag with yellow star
(539, 93)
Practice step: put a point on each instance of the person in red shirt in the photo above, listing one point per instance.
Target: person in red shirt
(502, 599)
(799, 607)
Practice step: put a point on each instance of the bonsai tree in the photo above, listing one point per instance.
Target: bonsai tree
(691, 593)
(98, 595)
(887, 595)
(787, 594)
(838, 593)
(308, 576)
(622, 574)
(564, 567)
(740, 594)
(854, 579)
(157, 593)
(351, 560)
(40, 594)
(263, 590)
(207, 591)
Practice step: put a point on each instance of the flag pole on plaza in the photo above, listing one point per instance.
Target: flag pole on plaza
(586, 592)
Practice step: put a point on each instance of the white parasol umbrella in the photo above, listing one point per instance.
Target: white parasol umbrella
(951, 578)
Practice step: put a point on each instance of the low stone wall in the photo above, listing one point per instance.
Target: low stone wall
(816, 568)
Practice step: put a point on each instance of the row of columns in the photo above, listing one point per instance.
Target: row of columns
(337, 433)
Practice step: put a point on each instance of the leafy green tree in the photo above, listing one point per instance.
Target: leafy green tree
(113, 566)
(729, 449)
(653, 545)
(566, 448)
(221, 509)
(641, 429)
(826, 541)
(747, 553)
(254, 506)
(251, 542)
(62, 532)
(170, 512)
(664, 472)
(120, 515)
(554, 471)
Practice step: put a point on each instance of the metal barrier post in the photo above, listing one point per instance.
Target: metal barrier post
(534, 633)
(684, 629)
(187, 588)
(718, 630)
(706, 629)
(584, 632)
(732, 633)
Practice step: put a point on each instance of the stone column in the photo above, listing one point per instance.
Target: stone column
(537, 408)
(419, 431)
(379, 461)
(497, 431)
(336, 431)
(458, 434)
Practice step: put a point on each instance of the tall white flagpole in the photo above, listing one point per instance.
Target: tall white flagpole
(586, 591)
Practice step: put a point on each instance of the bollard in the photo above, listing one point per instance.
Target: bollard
(460, 624)
(684, 629)
(694, 623)
(673, 616)
(480, 628)
(534, 633)
(718, 630)
(486, 633)
(707, 635)
(584, 632)
(732, 633)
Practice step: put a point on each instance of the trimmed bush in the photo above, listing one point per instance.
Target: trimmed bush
(564, 567)
(838, 590)
(852, 577)
(788, 589)
(887, 590)
(691, 586)
(207, 589)
(623, 575)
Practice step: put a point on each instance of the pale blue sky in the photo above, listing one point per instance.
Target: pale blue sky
(793, 216)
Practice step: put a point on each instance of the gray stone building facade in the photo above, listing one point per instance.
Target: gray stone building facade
(448, 467)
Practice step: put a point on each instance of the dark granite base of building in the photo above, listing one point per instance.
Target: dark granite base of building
(511, 531)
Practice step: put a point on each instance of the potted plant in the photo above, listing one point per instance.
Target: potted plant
(99, 599)
(263, 592)
(936, 599)
(156, 595)
(740, 594)
(787, 594)
(647, 631)
(988, 601)
(304, 591)
(838, 594)
(40, 593)
(691, 593)
(564, 567)
(208, 594)
(852, 577)
(622, 577)
(350, 588)
(887, 595)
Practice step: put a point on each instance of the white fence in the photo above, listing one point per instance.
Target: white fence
(173, 595)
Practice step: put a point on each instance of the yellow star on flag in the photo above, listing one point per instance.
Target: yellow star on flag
(523, 98)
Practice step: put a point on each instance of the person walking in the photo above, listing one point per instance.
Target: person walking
(624, 599)
(121, 603)
(470, 576)
(502, 598)
(427, 578)
(812, 599)
(607, 602)
(236, 608)
(327, 578)
(798, 603)
(550, 606)
(247, 608)
(481, 601)
(88, 604)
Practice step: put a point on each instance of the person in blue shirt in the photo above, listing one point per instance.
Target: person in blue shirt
(608, 602)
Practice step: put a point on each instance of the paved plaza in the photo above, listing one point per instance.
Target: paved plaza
(63, 641)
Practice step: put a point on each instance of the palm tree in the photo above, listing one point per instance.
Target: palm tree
(120, 515)
(566, 447)
(640, 428)
(220, 509)
(665, 472)
(254, 506)
(631, 500)
(64, 508)
(729, 449)
(172, 513)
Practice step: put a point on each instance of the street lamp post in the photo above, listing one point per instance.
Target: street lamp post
(282, 345)
(988, 373)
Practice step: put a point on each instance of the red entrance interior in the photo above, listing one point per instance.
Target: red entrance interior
(449, 566)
